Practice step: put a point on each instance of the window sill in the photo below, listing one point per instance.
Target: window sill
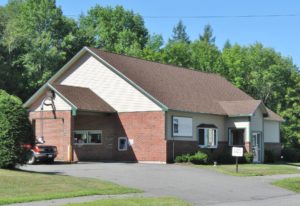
(80, 144)
(207, 147)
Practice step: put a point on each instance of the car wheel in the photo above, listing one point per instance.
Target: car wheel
(31, 159)
(50, 161)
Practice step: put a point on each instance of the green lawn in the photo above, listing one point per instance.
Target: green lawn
(254, 169)
(162, 201)
(289, 183)
(21, 186)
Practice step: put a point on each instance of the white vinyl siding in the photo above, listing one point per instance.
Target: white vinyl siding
(59, 103)
(197, 119)
(117, 92)
(271, 131)
(257, 121)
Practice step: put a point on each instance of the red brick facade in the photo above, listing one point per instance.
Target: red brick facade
(57, 129)
(145, 129)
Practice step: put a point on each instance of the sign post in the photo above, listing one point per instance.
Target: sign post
(237, 152)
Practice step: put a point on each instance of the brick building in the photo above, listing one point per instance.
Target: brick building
(106, 107)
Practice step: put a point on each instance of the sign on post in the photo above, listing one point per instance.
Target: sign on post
(237, 152)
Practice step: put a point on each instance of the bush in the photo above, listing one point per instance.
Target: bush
(291, 154)
(183, 158)
(269, 156)
(248, 157)
(15, 130)
(199, 158)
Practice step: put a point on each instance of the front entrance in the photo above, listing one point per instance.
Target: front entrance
(257, 146)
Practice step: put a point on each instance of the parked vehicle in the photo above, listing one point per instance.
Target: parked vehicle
(42, 153)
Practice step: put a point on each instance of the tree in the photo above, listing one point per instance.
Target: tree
(177, 53)
(205, 55)
(290, 111)
(207, 35)
(115, 29)
(15, 130)
(179, 33)
(37, 37)
(153, 49)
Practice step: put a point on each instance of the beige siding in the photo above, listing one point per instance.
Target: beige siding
(117, 92)
(257, 121)
(197, 119)
(271, 129)
(59, 103)
(238, 123)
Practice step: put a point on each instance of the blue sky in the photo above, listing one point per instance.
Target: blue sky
(280, 33)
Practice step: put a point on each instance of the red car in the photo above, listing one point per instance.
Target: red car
(42, 153)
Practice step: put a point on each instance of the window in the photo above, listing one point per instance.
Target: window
(88, 137)
(182, 126)
(236, 137)
(122, 144)
(208, 136)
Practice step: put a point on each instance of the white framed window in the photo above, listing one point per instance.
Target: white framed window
(122, 144)
(182, 126)
(208, 136)
(236, 137)
(87, 137)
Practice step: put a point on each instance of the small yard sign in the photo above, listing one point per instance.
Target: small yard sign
(237, 152)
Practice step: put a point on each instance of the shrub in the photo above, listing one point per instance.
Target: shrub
(269, 156)
(291, 154)
(199, 158)
(248, 157)
(15, 130)
(182, 158)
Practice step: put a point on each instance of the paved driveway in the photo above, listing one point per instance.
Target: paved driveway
(198, 186)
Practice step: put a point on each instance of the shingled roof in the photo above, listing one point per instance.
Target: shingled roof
(84, 98)
(184, 89)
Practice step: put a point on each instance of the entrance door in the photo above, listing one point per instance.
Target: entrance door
(256, 146)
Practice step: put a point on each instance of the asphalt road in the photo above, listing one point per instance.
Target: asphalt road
(197, 186)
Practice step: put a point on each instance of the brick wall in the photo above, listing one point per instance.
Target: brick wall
(108, 124)
(147, 130)
(57, 127)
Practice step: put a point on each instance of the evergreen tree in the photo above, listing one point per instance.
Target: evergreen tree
(207, 35)
(179, 33)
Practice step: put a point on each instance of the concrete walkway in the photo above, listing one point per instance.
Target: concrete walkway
(198, 186)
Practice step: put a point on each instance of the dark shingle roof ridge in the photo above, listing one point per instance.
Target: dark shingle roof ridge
(165, 64)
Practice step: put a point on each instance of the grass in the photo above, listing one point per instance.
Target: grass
(21, 186)
(161, 201)
(289, 183)
(254, 169)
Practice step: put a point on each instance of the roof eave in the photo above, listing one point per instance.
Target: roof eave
(53, 78)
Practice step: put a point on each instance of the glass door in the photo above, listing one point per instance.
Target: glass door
(256, 146)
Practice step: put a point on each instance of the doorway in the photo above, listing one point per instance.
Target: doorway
(257, 147)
